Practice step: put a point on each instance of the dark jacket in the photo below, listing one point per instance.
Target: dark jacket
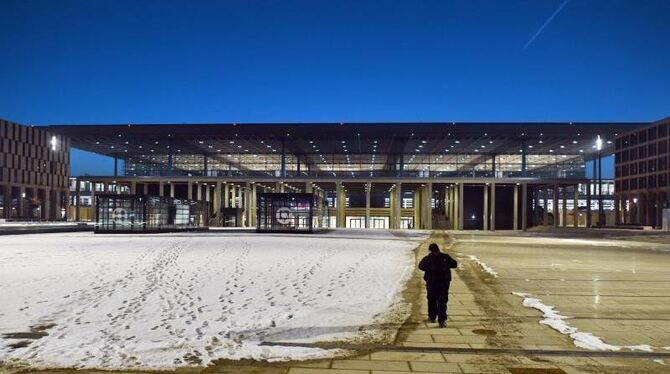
(437, 267)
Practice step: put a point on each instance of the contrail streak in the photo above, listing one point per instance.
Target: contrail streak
(545, 24)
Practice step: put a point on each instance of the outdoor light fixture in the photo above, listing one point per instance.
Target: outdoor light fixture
(53, 142)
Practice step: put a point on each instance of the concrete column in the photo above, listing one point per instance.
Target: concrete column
(77, 211)
(198, 192)
(47, 205)
(217, 202)
(545, 218)
(308, 187)
(22, 200)
(172, 189)
(208, 193)
(94, 208)
(524, 204)
(368, 190)
(486, 207)
(588, 204)
(428, 206)
(461, 193)
(575, 206)
(397, 196)
(564, 213)
(418, 208)
(145, 186)
(233, 197)
(515, 223)
(161, 188)
(453, 207)
(254, 204)
(226, 195)
(7, 197)
(133, 187)
(493, 206)
(117, 185)
(555, 204)
(247, 204)
(341, 202)
(189, 193)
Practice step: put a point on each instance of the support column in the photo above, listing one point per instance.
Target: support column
(524, 205)
(189, 193)
(198, 192)
(515, 223)
(428, 206)
(588, 204)
(486, 207)
(133, 187)
(217, 203)
(7, 198)
(172, 187)
(233, 196)
(254, 204)
(22, 202)
(47, 205)
(545, 217)
(555, 204)
(208, 193)
(94, 208)
(226, 195)
(461, 190)
(145, 187)
(340, 201)
(575, 206)
(564, 213)
(493, 206)
(397, 197)
(161, 188)
(77, 211)
(247, 203)
(368, 190)
(308, 187)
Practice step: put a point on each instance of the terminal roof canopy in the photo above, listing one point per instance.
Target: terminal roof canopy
(345, 138)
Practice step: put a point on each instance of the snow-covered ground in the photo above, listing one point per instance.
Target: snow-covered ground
(162, 301)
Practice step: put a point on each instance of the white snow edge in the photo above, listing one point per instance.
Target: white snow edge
(484, 266)
(586, 340)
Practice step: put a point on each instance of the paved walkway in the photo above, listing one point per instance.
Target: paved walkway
(489, 331)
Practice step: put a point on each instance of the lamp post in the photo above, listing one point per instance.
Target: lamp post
(601, 212)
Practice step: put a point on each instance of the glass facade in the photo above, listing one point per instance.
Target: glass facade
(287, 212)
(139, 213)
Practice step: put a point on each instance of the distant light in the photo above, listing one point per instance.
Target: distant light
(599, 143)
(53, 142)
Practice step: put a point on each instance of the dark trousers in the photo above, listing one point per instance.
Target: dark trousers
(438, 296)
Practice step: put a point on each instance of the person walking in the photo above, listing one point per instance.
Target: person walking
(437, 274)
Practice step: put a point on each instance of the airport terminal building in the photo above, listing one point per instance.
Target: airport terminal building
(486, 176)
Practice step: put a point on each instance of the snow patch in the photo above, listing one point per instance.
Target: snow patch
(585, 340)
(484, 266)
(659, 361)
(174, 300)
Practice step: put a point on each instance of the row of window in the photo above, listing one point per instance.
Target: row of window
(19, 176)
(649, 150)
(643, 136)
(643, 167)
(640, 183)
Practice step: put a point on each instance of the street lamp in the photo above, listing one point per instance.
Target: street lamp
(601, 212)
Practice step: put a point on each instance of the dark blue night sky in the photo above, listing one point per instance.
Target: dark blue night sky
(246, 61)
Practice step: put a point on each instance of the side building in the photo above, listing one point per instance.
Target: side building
(642, 174)
(34, 168)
